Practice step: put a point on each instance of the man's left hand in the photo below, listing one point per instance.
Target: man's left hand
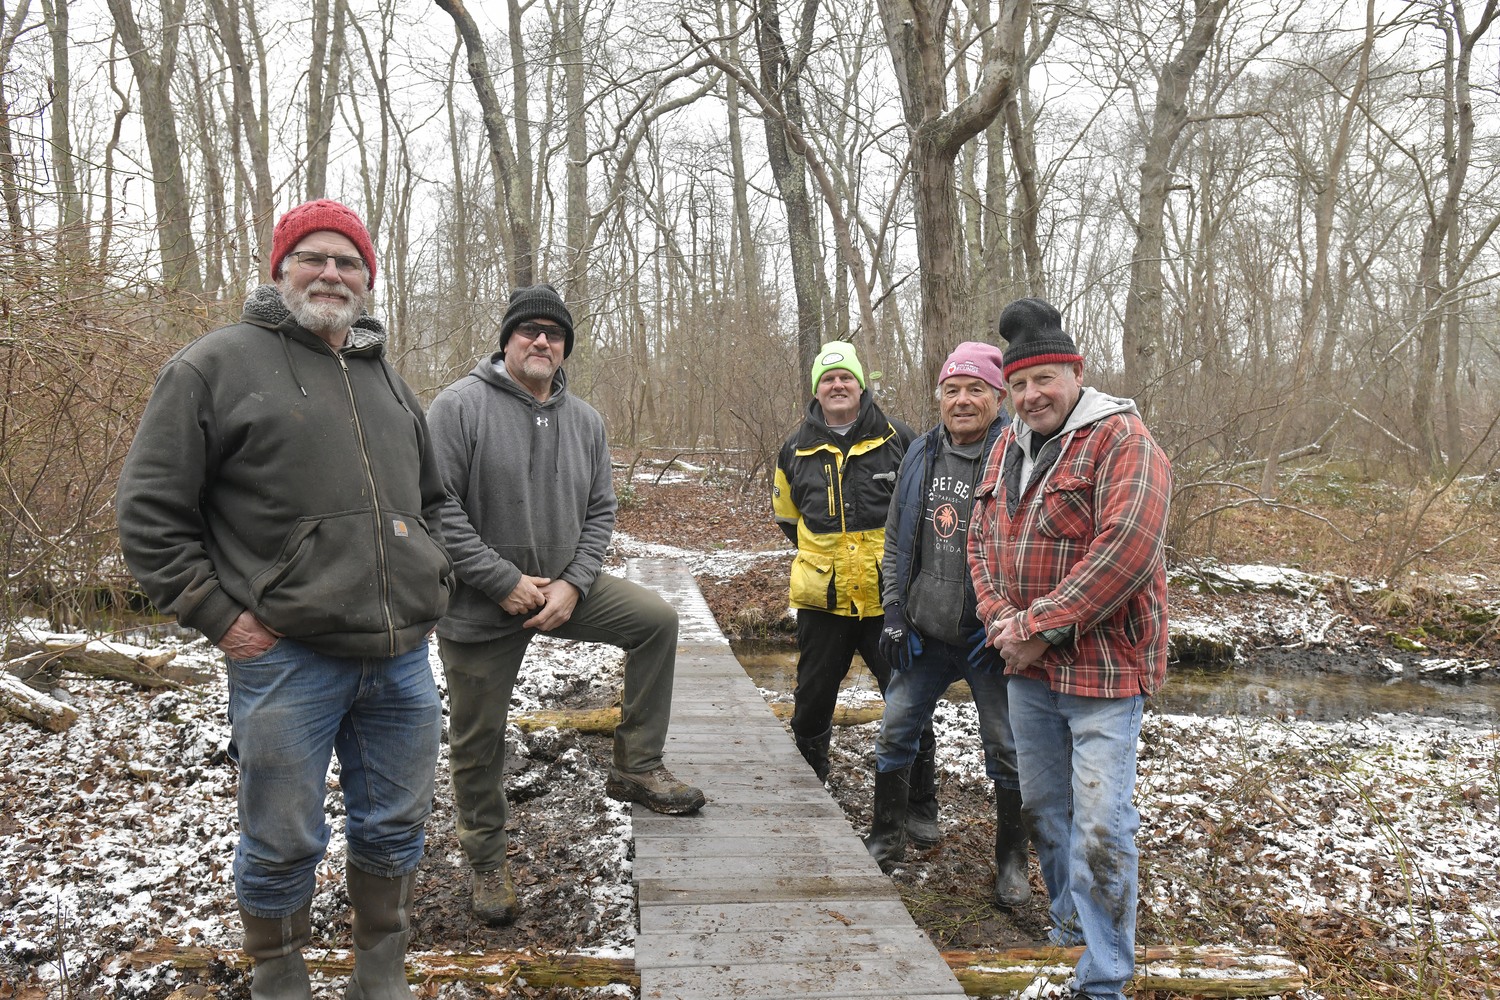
(1019, 653)
(562, 598)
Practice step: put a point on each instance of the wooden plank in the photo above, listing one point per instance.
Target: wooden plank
(780, 946)
(796, 889)
(896, 976)
(767, 891)
(688, 918)
(726, 851)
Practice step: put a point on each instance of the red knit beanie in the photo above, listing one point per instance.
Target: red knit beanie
(317, 216)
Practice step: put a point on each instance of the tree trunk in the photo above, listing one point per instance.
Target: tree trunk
(174, 211)
(1326, 187)
(778, 80)
(915, 31)
(74, 241)
(10, 182)
(322, 90)
(262, 206)
(510, 204)
(575, 111)
(1143, 314)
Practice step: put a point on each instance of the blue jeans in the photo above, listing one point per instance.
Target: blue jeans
(1077, 759)
(911, 695)
(290, 709)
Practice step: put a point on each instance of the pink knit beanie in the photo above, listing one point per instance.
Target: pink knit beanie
(975, 359)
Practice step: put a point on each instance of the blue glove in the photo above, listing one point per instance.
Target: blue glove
(899, 642)
(983, 656)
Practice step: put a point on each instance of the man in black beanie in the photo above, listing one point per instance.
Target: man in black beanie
(1066, 550)
(530, 510)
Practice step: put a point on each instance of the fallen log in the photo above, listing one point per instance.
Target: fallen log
(1204, 971)
(109, 660)
(537, 969)
(602, 721)
(34, 706)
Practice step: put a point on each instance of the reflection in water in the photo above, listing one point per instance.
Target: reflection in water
(1245, 691)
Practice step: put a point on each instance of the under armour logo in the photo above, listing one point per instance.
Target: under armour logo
(541, 421)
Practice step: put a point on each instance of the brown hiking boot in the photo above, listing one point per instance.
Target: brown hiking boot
(656, 789)
(495, 896)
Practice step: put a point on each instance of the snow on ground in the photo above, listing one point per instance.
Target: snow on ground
(120, 831)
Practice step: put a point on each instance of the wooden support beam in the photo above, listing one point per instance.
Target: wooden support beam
(604, 720)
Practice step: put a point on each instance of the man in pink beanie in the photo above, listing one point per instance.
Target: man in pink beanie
(281, 497)
(931, 626)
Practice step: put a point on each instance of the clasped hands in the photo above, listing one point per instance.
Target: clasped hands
(552, 600)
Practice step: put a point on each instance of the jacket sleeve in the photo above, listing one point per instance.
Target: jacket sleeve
(157, 503)
(984, 545)
(475, 563)
(890, 561)
(598, 519)
(1132, 495)
(783, 506)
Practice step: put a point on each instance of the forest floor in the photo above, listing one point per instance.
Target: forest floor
(1368, 847)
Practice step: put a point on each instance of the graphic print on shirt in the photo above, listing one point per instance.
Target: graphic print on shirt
(948, 503)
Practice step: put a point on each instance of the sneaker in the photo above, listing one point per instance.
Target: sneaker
(656, 789)
(494, 896)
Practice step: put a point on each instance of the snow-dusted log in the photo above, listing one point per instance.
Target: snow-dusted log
(1200, 971)
(44, 710)
(147, 668)
(1203, 971)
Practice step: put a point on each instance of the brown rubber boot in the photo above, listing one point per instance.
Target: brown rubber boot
(276, 946)
(382, 926)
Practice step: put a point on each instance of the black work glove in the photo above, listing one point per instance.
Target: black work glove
(983, 656)
(899, 642)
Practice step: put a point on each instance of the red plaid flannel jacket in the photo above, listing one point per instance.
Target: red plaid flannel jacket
(1083, 548)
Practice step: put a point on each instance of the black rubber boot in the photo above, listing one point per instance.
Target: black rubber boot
(382, 926)
(922, 804)
(815, 752)
(887, 840)
(1012, 887)
(276, 946)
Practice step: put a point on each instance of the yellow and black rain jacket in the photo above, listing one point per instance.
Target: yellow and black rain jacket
(831, 496)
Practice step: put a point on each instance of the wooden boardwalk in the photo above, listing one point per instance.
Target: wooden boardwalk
(767, 892)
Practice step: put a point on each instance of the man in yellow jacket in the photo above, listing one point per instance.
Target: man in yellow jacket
(834, 479)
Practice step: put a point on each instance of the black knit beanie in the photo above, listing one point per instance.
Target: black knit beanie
(1033, 334)
(537, 302)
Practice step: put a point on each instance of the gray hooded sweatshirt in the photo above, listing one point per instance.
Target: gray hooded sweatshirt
(529, 492)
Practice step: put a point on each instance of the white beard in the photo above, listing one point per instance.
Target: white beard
(322, 317)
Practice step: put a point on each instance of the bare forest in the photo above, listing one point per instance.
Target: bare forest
(1272, 223)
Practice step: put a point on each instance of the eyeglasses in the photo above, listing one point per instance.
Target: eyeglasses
(531, 331)
(311, 260)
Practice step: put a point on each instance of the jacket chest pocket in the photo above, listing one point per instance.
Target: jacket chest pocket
(1067, 508)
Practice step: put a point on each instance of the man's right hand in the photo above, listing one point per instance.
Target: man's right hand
(898, 641)
(246, 638)
(527, 596)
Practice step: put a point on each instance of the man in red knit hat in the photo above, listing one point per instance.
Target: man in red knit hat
(281, 497)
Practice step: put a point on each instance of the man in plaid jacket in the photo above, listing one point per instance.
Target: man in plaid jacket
(1066, 551)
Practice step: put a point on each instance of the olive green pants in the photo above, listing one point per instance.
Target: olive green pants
(480, 678)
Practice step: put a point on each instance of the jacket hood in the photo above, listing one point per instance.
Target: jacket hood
(1092, 407)
(265, 307)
